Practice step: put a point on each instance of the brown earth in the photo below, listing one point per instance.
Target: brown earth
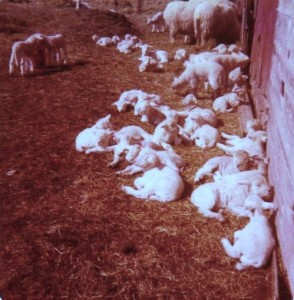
(67, 230)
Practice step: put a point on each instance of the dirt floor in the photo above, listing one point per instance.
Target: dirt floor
(67, 230)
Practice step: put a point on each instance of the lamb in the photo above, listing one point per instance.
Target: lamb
(162, 184)
(126, 46)
(189, 99)
(127, 98)
(205, 136)
(149, 158)
(96, 138)
(150, 64)
(215, 20)
(104, 41)
(157, 22)
(207, 71)
(160, 55)
(253, 142)
(236, 77)
(230, 62)
(230, 192)
(253, 245)
(181, 54)
(226, 103)
(224, 165)
(152, 99)
(57, 52)
(23, 53)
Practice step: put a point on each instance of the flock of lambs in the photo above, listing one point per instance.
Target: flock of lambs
(238, 180)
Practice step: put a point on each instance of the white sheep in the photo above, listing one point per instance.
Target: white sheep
(149, 158)
(57, 53)
(205, 136)
(253, 245)
(149, 64)
(157, 22)
(150, 113)
(178, 16)
(230, 192)
(224, 165)
(181, 54)
(189, 99)
(153, 99)
(126, 46)
(163, 184)
(96, 138)
(215, 20)
(128, 98)
(206, 71)
(23, 53)
(226, 103)
(254, 143)
(104, 41)
(160, 55)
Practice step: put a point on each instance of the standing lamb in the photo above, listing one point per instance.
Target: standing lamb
(157, 22)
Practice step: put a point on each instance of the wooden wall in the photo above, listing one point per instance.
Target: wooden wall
(272, 88)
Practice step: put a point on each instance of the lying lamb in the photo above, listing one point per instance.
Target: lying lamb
(161, 183)
(230, 192)
(149, 64)
(189, 99)
(205, 136)
(157, 22)
(253, 245)
(226, 103)
(181, 54)
(240, 161)
(160, 55)
(149, 158)
(96, 138)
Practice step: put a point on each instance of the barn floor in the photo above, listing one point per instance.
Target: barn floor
(67, 230)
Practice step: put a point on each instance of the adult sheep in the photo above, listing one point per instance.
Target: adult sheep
(178, 16)
(216, 20)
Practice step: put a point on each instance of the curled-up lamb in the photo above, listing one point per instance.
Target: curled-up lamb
(230, 192)
(189, 99)
(149, 158)
(149, 64)
(205, 136)
(161, 183)
(105, 41)
(224, 165)
(226, 103)
(253, 245)
(96, 138)
(127, 98)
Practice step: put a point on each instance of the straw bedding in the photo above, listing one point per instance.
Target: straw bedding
(67, 230)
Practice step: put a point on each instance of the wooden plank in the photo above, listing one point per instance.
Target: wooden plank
(245, 114)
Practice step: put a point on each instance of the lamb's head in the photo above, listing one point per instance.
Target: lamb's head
(253, 125)
(120, 105)
(104, 123)
(241, 160)
(260, 187)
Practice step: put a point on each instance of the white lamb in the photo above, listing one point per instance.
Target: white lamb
(205, 136)
(224, 165)
(128, 98)
(253, 143)
(230, 192)
(152, 99)
(189, 99)
(162, 183)
(104, 41)
(126, 46)
(226, 103)
(149, 64)
(181, 54)
(23, 53)
(253, 245)
(157, 22)
(160, 55)
(206, 71)
(149, 158)
(57, 53)
(96, 138)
